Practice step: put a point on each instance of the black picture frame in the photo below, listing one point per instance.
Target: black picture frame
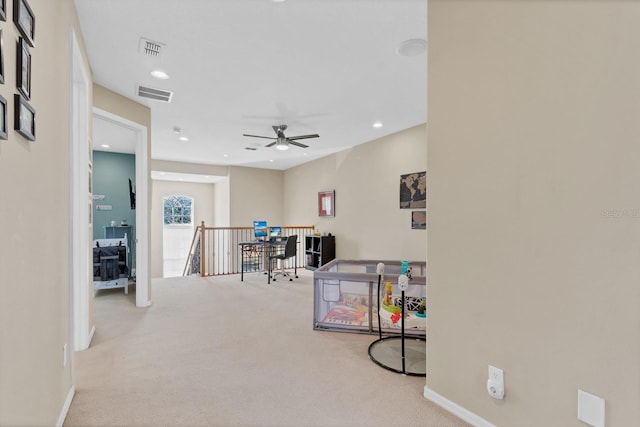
(3, 118)
(419, 220)
(25, 20)
(413, 190)
(24, 118)
(23, 72)
(1, 58)
(3, 10)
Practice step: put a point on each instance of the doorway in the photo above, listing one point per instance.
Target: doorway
(143, 283)
(177, 233)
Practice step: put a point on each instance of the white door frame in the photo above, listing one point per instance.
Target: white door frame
(143, 284)
(80, 236)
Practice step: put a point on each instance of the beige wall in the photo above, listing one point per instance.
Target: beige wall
(255, 194)
(34, 225)
(203, 211)
(534, 214)
(191, 168)
(369, 223)
(119, 105)
(221, 198)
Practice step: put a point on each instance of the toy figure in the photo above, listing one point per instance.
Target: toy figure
(389, 288)
(395, 317)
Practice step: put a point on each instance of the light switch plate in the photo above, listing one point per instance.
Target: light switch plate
(590, 409)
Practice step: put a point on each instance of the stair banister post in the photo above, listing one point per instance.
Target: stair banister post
(202, 251)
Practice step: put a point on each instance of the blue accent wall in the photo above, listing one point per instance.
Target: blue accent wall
(111, 174)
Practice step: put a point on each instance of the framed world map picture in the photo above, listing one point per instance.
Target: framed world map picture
(413, 190)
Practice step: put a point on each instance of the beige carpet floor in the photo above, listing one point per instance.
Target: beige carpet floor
(220, 352)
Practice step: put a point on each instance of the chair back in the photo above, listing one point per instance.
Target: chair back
(290, 248)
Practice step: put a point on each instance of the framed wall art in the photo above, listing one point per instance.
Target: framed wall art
(1, 59)
(24, 118)
(3, 10)
(326, 203)
(25, 20)
(3, 118)
(413, 190)
(419, 220)
(24, 69)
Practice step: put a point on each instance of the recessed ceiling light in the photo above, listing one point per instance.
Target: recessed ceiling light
(377, 125)
(183, 139)
(412, 47)
(278, 1)
(159, 74)
(225, 155)
(105, 146)
(271, 161)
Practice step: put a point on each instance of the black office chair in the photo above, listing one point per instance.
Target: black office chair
(290, 251)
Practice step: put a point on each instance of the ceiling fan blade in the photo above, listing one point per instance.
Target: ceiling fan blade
(271, 144)
(297, 143)
(315, 135)
(258, 136)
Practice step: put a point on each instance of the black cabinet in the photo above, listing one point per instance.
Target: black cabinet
(319, 250)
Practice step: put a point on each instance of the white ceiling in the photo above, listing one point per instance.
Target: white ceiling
(241, 66)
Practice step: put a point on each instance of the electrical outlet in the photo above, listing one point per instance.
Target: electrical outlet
(495, 383)
(64, 356)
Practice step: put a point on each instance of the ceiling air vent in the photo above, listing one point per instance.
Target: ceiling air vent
(151, 48)
(153, 93)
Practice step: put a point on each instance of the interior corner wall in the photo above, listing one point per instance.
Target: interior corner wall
(255, 194)
(35, 225)
(534, 209)
(368, 221)
(203, 210)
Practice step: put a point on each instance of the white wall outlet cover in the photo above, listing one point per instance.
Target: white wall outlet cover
(495, 383)
(590, 409)
(403, 282)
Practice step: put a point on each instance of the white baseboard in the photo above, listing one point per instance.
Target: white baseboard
(65, 408)
(456, 409)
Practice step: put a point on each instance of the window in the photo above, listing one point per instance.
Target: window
(178, 210)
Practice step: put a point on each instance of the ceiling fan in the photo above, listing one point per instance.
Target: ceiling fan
(281, 141)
